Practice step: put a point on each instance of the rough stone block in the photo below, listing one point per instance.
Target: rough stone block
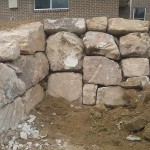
(99, 43)
(65, 85)
(65, 51)
(101, 70)
(133, 67)
(75, 25)
(110, 96)
(89, 94)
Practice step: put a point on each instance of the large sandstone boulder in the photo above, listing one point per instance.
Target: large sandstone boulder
(133, 67)
(75, 25)
(99, 43)
(110, 96)
(135, 45)
(34, 68)
(120, 26)
(65, 51)
(97, 24)
(10, 86)
(31, 37)
(32, 97)
(65, 85)
(11, 115)
(89, 94)
(9, 50)
(101, 70)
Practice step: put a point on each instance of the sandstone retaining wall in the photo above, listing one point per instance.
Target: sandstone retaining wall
(94, 61)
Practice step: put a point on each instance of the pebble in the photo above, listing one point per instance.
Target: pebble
(133, 138)
(32, 118)
(23, 135)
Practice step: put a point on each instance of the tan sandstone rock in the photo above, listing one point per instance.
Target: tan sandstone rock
(32, 97)
(110, 96)
(10, 85)
(120, 26)
(133, 67)
(101, 70)
(97, 24)
(89, 94)
(9, 50)
(138, 122)
(135, 45)
(99, 43)
(34, 68)
(11, 115)
(31, 37)
(65, 85)
(135, 82)
(65, 51)
(75, 25)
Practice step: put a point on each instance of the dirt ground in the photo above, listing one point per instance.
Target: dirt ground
(94, 128)
(76, 127)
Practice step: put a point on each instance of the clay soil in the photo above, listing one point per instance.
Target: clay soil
(89, 128)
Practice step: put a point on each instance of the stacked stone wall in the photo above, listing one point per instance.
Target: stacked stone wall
(94, 61)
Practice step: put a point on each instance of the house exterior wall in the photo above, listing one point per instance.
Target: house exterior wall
(77, 8)
(125, 11)
(142, 3)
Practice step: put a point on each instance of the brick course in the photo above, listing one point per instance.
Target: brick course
(77, 8)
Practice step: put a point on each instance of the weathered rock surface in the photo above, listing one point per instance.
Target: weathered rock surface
(10, 86)
(99, 43)
(131, 83)
(135, 45)
(133, 67)
(11, 115)
(120, 26)
(101, 70)
(146, 93)
(135, 82)
(97, 24)
(65, 51)
(89, 94)
(133, 98)
(146, 133)
(9, 50)
(34, 68)
(110, 96)
(32, 97)
(31, 37)
(65, 85)
(75, 25)
(139, 122)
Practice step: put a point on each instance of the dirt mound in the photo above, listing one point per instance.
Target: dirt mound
(76, 127)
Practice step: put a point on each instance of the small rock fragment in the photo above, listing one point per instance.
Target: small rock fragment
(23, 135)
(133, 138)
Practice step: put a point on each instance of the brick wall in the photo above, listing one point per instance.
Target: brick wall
(77, 8)
(125, 12)
(143, 3)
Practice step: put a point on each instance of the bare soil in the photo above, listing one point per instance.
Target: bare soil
(72, 126)
(90, 127)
